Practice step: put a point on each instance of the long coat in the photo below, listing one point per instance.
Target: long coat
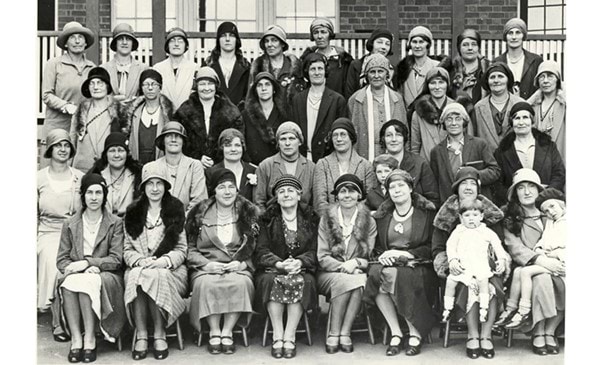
(476, 153)
(556, 116)
(485, 126)
(201, 141)
(107, 256)
(285, 76)
(338, 68)
(133, 81)
(177, 87)
(425, 182)
(332, 106)
(129, 185)
(358, 113)
(236, 90)
(532, 62)
(244, 187)
(426, 129)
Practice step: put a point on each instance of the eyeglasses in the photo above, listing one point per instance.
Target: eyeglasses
(546, 75)
(148, 85)
(177, 40)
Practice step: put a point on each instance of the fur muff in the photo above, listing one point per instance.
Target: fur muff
(418, 201)
(115, 110)
(172, 215)
(447, 216)
(247, 224)
(541, 139)
(427, 110)
(334, 236)
(259, 121)
(224, 114)
(131, 107)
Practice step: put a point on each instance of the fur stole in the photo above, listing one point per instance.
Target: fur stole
(334, 235)
(262, 63)
(224, 114)
(457, 71)
(402, 71)
(172, 215)
(418, 202)
(131, 107)
(115, 110)
(427, 110)
(447, 217)
(307, 219)
(541, 139)
(259, 121)
(248, 226)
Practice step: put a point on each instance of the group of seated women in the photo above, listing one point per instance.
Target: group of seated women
(166, 193)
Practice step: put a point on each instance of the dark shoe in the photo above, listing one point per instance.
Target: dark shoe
(332, 349)
(539, 350)
(552, 349)
(347, 348)
(214, 349)
(505, 317)
(487, 353)
(75, 355)
(228, 349)
(518, 320)
(290, 353)
(61, 337)
(414, 350)
(277, 352)
(473, 353)
(140, 355)
(393, 350)
(89, 355)
(161, 354)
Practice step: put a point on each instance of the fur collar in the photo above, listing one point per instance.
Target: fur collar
(418, 202)
(131, 107)
(307, 219)
(262, 63)
(334, 235)
(427, 110)
(402, 71)
(342, 56)
(115, 110)
(259, 121)
(447, 216)
(248, 226)
(541, 139)
(172, 215)
(537, 97)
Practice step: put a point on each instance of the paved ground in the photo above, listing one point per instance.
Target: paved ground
(50, 352)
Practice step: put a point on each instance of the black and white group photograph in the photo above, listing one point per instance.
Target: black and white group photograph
(329, 181)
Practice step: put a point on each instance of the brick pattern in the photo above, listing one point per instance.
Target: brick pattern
(488, 17)
(75, 10)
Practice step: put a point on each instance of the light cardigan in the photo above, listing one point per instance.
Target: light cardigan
(556, 118)
(177, 87)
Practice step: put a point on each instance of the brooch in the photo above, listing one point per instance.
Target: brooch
(399, 228)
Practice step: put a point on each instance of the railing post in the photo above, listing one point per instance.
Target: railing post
(158, 30)
(93, 23)
(457, 20)
(393, 26)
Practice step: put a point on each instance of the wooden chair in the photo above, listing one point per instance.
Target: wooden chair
(306, 330)
(368, 327)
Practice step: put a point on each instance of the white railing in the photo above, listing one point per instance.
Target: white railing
(201, 45)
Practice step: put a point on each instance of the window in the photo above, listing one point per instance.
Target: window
(138, 13)
(296, 15)
(544, 16)
(214, 12)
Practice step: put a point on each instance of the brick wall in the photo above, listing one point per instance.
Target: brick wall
(75, 10)
(486, 16)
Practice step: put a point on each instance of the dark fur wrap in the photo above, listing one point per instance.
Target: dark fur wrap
(115, 110)
(334, 235)
(172, 215)
(456, 70)
(262, 63)
(247, 224)
(540, 137)
(130, 109)
(402, 71)
(224, 114)
(134, 166)
(447, 216)
(307, 217)
(513, 217)
(418, 201)
(258, 119)
(427, 110)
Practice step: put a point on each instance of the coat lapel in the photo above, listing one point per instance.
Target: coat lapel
(131, 85)
(323, 110)
(236, 75)
(103, 229)
(418, 220)
(183, 168)
(76, 226)
(382, 229)
(540, 157)
(485, 111)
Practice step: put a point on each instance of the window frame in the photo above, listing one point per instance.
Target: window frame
(524, 15)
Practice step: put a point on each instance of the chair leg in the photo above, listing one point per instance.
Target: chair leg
(245, 340)
(328, 321)
(429, 338)
(509, 333)
(200, 339)
(179, 335)
(385, 334)
(446, 335)
(119, 346)
(134, 339)
(307, 329)
(265, 331)
(370, 333)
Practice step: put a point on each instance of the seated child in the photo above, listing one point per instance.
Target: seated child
(552, 244)
(383, 165)
(469, 245)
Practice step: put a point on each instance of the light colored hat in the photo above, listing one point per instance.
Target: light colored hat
(421, 31)
(170, 127)
(156, 170)
(522, 175)
(376, 60)
(74, 28)
(276, 31)
(207, 73)
(321, 22)
(454, 108)
(289, 127)
(172, 33)
(548, 66)
(56, 136)
(516, 23)
(126, 30)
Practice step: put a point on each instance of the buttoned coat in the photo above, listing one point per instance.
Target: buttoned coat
(237, 87)
(485, 126)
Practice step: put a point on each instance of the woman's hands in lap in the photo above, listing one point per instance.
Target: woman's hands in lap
(350, 267)
(92, 270)
(76, 266)
(290, 265)
(214, 267)
(556, 267)
(388, 258)
(455, 267)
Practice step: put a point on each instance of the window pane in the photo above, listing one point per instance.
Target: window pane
(226, 9)
(306, 7)
(211, 27)
(535, 2)
(536, 18)
(170, 9)
(554, 2)
(248, 26)
(246, 9)
(125, 9)
(554, 17)
(285, 8)
(143, 9)
(210, 9)
(326, 8)
(303, 25)
(170, 23)
(144, 25)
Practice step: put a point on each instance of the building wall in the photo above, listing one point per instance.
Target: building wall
(487, 16)
(75, 10)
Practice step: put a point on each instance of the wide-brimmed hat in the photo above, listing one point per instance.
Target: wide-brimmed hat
(551, 67)
(74, 28)
(123, 29)
(170, 127)
(56, 136)
(175, 32)
(154, 170)
(276, 31)
(522, 175)
(465, 173)
(96, 73)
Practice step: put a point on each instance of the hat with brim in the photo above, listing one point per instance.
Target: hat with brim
(154, 170)
(349, 181)
(74, 28)
(169, 127)
(96, 73)
(172, 33)
(56, 136)
(522, 175)
(207, 73)
(123, 29)
(276, 31)
(465, 173)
